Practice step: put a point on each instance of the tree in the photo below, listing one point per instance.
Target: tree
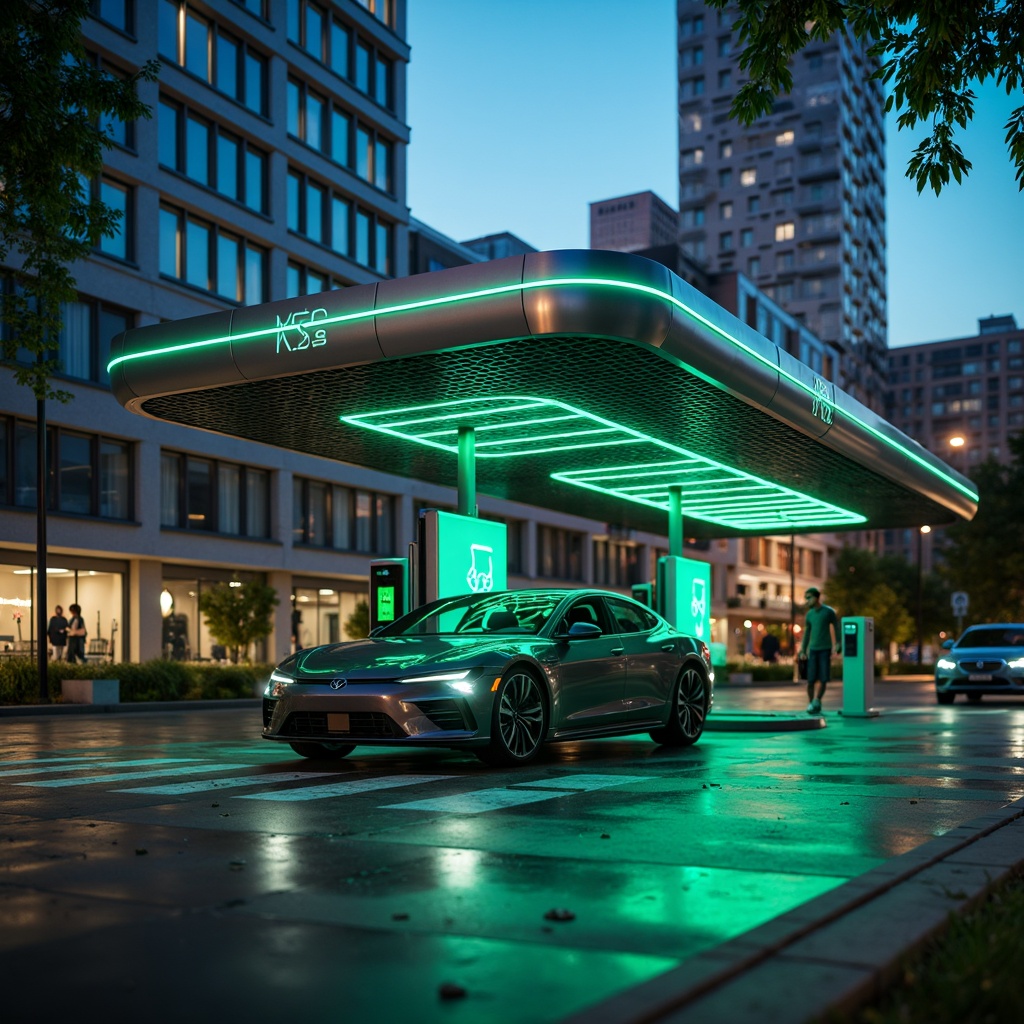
(357, 625)
(930, 53)
(984, 557)
(54, 101)
(238, 614)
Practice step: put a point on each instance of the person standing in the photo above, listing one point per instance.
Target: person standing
(57, 632)
(76, 634)
(820, 627)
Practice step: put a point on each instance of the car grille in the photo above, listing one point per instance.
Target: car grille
(446, 714)
(365, 724)
(268, 711)
(971, 665)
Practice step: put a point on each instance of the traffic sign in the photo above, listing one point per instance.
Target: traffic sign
(960, 602)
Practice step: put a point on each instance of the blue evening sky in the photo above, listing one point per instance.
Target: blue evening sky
(525, 111)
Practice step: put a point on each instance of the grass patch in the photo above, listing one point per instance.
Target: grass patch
(971, 974)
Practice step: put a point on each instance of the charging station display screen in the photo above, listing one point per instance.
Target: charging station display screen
(849, 639)
(387, 591)
(471, 555)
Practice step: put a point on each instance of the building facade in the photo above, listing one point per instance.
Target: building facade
(632, 223)
(962, 398)
(796, 201)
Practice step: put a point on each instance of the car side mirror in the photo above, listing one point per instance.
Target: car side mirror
(947, 644)
(583, 631)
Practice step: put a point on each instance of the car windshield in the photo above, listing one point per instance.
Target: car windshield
(993, 636)
(503, 612)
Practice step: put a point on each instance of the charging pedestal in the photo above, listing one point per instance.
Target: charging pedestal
(389, 590)
(858, 634)
(684, 594)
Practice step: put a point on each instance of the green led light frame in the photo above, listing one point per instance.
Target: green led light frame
(711, 491)
(555, 282)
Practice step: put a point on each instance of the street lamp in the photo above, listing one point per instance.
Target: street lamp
(920, 545)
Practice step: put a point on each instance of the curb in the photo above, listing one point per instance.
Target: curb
(28, 710)
(838, 951)
(762, 721)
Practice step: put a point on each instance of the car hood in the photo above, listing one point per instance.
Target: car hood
(388, 657)
(985, 653)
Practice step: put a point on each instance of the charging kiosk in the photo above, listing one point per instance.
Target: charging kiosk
(684, 594)
(389, 590)
(858, 643)
(459, 554)
(644, 593)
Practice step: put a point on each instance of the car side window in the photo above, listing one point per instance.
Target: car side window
(585, 610)
(629, 618)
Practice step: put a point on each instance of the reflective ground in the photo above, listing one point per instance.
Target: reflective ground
(172, 865)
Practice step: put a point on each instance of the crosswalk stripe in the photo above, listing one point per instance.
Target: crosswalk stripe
(101, 763)
(483, 800)
(583, 782)
(189, 769)
(349, 788)
(204, 785)
(22, 762)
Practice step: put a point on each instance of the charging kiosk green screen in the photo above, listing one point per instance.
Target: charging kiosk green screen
(464, 555)
(684, 595)
(389, 590)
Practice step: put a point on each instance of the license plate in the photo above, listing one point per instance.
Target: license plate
(977, 677)
(337, 722)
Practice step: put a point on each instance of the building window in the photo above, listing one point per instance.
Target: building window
(785, 138)
(754, 266)
(320, 215)
(213, 496)
(121, 133)
(559, 553)
(616, 564)
(344, 518)
(87, 474)
(200, 46)
(725, 241)
(754, 204)
(303, 280)
(119, 13)
(748, 176)
(207, 256)
(725, 210)
(725, 79)
(747, 237)
(725, 150)
(724, 177)
(785, 231)
(382, 10)
(692, 217)
(118, 197)
(206, 152)
(87, 327)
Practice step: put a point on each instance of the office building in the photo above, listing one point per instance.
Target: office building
(796, 201)
(497, 247)
(632, 223)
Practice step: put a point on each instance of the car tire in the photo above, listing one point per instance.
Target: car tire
(690, 701)
(945, 698)
(323, 751)
(519, 721)
(974, 698)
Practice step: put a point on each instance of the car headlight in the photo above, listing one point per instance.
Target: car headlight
(1017, 663)
(945, 663)
(278, 681)
(438, 677)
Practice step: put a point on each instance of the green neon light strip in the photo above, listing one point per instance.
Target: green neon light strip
(555, 282)
(723, 495)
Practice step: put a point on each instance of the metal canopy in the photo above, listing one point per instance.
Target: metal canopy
(595, 381)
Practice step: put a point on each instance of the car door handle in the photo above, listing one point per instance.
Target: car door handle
(668, 647)
(617, 650)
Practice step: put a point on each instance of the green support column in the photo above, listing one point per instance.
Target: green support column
(675, 521)
(467, 471)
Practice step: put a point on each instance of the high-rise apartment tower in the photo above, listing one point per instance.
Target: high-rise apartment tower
(796, 201)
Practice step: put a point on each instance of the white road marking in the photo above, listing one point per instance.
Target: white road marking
(520, 793)
(349, 788)
(102, 763)
(50, 760)
(204, 785)
(191, 769)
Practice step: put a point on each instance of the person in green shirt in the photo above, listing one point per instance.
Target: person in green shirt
(821, 634)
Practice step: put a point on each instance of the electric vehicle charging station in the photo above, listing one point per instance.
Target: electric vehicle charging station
(389, 590)
(684, 594)
(459, 555)
(858, 644)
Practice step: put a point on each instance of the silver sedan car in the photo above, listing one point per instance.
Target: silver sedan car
(499, 674)
(985, 659)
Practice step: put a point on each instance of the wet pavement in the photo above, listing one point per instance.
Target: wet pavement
(163, 865)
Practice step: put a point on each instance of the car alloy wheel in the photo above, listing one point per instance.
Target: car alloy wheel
(689, 711)
(519, 721)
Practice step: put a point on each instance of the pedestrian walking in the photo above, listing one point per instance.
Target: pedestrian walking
(76, 634)
(821, 634)
(57, 633)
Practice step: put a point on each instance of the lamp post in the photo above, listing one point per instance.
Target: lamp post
(920, 548)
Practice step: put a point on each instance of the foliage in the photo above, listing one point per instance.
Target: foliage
(148, 681)
(53, 104)
(357, 625)
(237, 614)
(984, 557)
(930, 53)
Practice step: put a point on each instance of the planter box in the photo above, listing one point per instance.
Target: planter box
(741, 678)
(91, 691)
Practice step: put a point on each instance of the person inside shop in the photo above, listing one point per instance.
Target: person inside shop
(296, 629)
(57, 633)
(76, 634)
(770, 648)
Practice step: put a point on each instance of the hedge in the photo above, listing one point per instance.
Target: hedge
(150, 680)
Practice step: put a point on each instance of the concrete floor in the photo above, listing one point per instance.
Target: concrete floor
(180, 867)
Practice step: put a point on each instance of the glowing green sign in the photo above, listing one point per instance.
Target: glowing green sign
(684, 595)
(464, 555)
(512, 426)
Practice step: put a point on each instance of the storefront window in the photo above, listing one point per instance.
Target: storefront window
(320, 612)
